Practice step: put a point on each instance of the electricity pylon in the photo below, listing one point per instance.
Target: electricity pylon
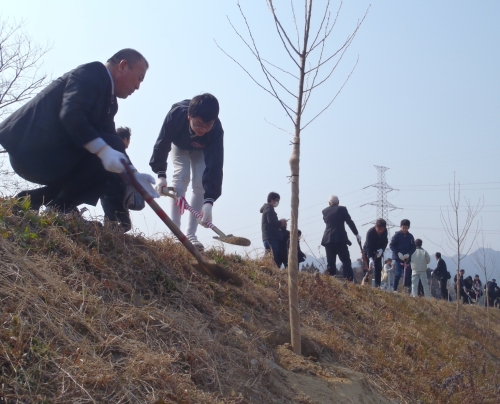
(382, 204)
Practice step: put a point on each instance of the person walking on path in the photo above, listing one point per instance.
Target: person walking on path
(442, 275)
(402, 246)
(65, 137)
(193, 133)
(335, 238)
(374, 247)
(419, 261)
(271, 227)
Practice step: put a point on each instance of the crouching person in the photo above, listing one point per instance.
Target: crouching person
(419, 261)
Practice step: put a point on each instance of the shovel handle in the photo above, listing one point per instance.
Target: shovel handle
(196, 214)
(128, 176)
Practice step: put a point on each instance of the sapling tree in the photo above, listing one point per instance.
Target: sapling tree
(310, 63)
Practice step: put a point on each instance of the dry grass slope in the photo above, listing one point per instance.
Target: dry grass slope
(89, 315)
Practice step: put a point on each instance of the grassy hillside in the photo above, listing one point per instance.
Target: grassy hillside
(90, 315)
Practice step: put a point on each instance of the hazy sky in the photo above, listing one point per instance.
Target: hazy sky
(423, 101)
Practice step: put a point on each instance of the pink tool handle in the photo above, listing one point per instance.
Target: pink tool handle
(195, 213)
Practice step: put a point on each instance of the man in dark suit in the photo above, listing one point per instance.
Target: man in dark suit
(442, 275)
(65, 137)
(375, 244)
(335, 238)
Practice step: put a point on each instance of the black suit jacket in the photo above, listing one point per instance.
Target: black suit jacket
(375, 242)
(44, 138)
(441, 269)
(335, 217)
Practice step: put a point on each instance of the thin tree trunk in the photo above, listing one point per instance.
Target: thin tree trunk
(293, 264)
(458, 272)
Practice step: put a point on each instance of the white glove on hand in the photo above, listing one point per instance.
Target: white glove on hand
(206, 212)
(406, 256)
(161, 186)
(371, 264)
(147, 182)
(358, 236)
(379, 253)
(401, 256)
(112, 159)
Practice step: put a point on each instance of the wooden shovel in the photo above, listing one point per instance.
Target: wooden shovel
(210, 268)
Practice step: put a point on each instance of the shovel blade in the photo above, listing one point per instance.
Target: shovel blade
(230, 239)
(211, 268)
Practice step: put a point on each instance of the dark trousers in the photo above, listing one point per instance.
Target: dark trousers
(443, 283)
(113, 204)
(84, 183)
(340, 249)
(274, 246)
(378, 271)
(400, 272)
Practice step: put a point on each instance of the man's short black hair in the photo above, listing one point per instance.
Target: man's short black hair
(462, 270)
(130, 55)
(204, 106)
(438, 255)
(299, 232)
(381, 223)
(124, 132)
(273, 196)
(418, 242)
(405, 222)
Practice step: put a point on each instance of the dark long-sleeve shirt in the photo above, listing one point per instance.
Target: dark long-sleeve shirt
(375, 242)
(176, 130)
(402, 243)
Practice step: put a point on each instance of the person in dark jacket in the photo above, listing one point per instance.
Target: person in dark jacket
(193, 133)
(442, 275)
(65, 137)
(271, 227)
(460, 285)
(491, 293)
(468, 296)
(477, 286)
(285, 245)
(374, 247)
(402, 246)
(335, 238)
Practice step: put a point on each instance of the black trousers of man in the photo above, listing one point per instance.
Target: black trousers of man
(340, 249)
(86, 182)
(378, 271)
(443, 283)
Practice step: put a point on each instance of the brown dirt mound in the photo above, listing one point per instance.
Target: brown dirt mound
(90, 315)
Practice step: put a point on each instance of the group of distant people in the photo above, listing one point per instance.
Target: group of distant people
(408, 262)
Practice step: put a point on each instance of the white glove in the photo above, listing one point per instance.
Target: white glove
(401, 256)
(161, 186)
(358, 236)
(406, 256)
(379, 253)
(147, 182)
(206, 212)
(371, 264)
(112, 159)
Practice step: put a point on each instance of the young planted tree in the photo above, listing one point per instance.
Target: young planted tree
(458, 227)
(310, 66)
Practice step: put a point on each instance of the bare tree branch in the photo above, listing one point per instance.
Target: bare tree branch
(20, 59)
(333, 99)
(295, 22)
